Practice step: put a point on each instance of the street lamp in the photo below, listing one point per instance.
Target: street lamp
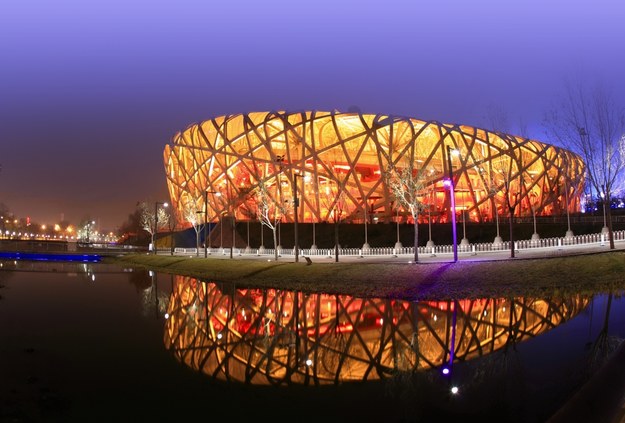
(535, 236)
(296, 217)
(313, 247)
(464, 242)
(511, 207)
(365, 246)
(604, 230)
(366, 199)
(218, 194)
(221, 231)
(156, 203)
(430, 243)
(450, 183)
(398, 245)
(247, 248)
(280, 162)
(197, 233)
(569, 232)
(234, 225)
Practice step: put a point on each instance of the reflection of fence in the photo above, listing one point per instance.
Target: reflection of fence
(282, 337)
(553, 243)
(32, 245)
(62, 246)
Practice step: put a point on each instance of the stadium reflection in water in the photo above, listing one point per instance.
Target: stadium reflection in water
(279, 337)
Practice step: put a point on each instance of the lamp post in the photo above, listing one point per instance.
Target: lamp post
(234, 224)
(604, 230)
(535, 236)
(295, 215)
(492, 192)
(221, 231)
(511, 207)
(197, 234)
(247, 247)
(365, 246)
(261, 249)
(452, 195)
(280, 162)
(569, 232)
(464, 242)
(313, 247)
(398, 245)
(206, 219)
(430, 243)
(156, 203)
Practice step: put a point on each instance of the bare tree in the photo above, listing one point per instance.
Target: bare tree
(190, 213)
(590, 123)
(270, 211)
(149, 219)
(522, 128)
(86, 230)
(172, 223)
(332, 197)
(496, 118)
(491, 188)
(508, 180)
(408, 185)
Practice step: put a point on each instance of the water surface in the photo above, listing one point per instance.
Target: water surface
(92, 342)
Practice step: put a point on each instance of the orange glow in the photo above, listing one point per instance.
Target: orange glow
(343, 157)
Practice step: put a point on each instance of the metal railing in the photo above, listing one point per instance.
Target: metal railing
(527, 244)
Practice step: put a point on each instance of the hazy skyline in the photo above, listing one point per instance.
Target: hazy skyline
(92, 92)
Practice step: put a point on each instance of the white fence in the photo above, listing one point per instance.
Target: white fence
(526, 244)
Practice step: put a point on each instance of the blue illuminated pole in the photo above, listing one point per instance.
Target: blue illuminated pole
(452, 196)
(452, 346)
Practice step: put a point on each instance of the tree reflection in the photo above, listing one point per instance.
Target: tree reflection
(153, 299)
(604, 345)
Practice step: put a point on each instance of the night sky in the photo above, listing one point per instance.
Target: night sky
(91, 91)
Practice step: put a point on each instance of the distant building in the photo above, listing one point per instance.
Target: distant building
(342, 157)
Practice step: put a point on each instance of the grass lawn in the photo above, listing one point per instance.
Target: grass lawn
(589, 274)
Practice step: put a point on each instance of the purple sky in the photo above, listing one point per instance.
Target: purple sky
(91, 91)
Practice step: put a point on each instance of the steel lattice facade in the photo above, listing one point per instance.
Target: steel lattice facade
(342, 158)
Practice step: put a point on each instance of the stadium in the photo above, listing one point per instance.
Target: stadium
(335, 164)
